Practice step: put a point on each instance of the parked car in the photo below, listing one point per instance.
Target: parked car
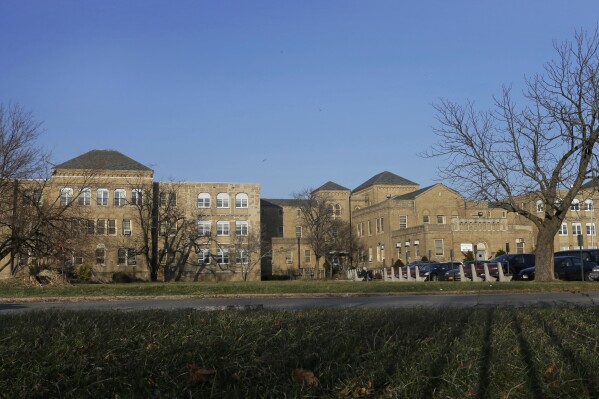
(413, 267)
(479, 266)
(566, 268)
(435, 271)
(587, 254)
(511, 263)
(451, 275)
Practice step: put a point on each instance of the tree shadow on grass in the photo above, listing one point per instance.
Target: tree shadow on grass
(436, 371)
(527, 355)
(571, 357)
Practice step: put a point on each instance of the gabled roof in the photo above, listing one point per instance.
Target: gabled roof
(281, 202)
(412, 195)
(593, 183)
(103, 160)
(386, 179)
(331, 186)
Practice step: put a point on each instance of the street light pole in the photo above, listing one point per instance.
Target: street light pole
(298, 233)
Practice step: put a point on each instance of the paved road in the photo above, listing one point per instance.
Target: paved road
(391, 301)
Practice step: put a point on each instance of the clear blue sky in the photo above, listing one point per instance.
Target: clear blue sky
(288, 94)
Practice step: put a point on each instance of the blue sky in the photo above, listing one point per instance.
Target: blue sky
(288, 94)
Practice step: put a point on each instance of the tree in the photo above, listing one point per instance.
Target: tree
(541, 152)
(324, 231)
(249, 251)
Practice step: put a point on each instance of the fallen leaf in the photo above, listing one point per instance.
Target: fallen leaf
(305, 377)
(152, 345)
(551, 371)
(278, 325)
(197, 374)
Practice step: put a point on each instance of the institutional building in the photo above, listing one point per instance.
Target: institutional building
(114, 201)
(394, 219)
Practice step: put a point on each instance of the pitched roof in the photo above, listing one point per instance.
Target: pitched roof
(386, 179)
(412, 195)
(331, 186)
(591, 183)
(281, 202)
(103, 160)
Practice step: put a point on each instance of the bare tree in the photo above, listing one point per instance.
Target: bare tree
(542, 151)
(249, 251)
(319, 222)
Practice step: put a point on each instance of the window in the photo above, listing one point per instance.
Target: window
(539, 206)
(168, 199)
(77, 258)
(222, 228)
(127, 256)
(222, 200)
(136, 197)
(126, 227)
(576, 229)
(111, 227)
(32, 197)
(289, 257)
(563, 231)
(204, 256)
(307, 257)
(335, 210)
(590, 229)
(101, 226)
(520, 247)
(241, 228)
(100, 255)
(575, 205)
(298, 231)
(280, 231)
(241, 257)
(370, 254)
(241, 200)
(203, 200)
(440, 219)
(369, 228)
(168, 227)
(438, 247)
(222, 256)
(91, 226)
(85, 197)
(66, 196)
(426, 219)
(204, 227)
(120, 197)
(122, 256)
(588, 205)
(403, 222)
(102, 197)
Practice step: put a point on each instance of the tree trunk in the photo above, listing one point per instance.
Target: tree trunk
(544, 254)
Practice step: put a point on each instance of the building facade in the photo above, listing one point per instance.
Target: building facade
(127, 222)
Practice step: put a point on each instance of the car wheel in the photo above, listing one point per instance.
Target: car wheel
(587, 277)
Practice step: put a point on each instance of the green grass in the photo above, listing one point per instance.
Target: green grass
(535, 352)
(10, 289)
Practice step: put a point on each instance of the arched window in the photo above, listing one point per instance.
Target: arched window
(85, 197)
(66, 196)
(222, 200)
(241, 200)
(588, 205)
(575, 205)
(100, 255)
(540, 206)
(203, 200)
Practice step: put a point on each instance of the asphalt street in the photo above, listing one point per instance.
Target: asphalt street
(302, 302)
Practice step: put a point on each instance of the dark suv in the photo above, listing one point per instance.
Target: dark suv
(512, 263)
(588, 255)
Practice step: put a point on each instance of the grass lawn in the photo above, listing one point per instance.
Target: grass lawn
(535, 352)
(11, 289)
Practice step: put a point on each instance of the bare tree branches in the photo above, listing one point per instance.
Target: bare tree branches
(542, 151)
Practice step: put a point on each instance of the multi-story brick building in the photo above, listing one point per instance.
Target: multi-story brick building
(109, 193)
